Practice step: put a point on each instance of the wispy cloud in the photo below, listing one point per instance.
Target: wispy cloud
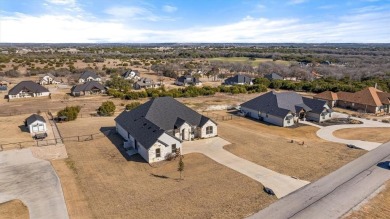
(169, 8)
(61, 2)
(327, 7)
(135, 13)
(296, 2)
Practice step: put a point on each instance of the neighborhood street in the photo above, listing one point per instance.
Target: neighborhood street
(281, 184)
(34, 182)
(335, 194)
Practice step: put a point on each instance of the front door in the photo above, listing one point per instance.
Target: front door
(182, 134)
(135, 145)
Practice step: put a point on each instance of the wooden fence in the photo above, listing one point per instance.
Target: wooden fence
(49, 142)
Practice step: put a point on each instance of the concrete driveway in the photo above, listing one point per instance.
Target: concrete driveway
(281, 184)
(326, 133)
(34, 182)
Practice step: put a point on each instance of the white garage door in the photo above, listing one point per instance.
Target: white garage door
(41, 128)
(35, 128)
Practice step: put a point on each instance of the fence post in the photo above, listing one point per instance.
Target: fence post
(20, 145)
(37, 144)
(78, 138)
(91, 137)
(1, 147)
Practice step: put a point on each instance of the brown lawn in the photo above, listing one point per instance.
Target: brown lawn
(13, 130)
(376, 208)
(114, 187)
(271, 147)
(14, 209)
(381, 135)
(85, 126)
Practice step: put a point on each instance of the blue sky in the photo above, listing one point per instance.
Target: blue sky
(220, 21)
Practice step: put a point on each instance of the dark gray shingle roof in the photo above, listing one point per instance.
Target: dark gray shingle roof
(161, 115)
(280, 104)
(317, 106)
(87, 86)
(273, 76)
(27, 85)
(88, 74)
(238, 79)
(33, 118)
(188, 79)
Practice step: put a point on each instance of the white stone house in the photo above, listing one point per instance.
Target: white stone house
(49, 79)
(131, 75)
(36, 124)
(27, 89)
(286, 108)
(157, 128)
(89, 76)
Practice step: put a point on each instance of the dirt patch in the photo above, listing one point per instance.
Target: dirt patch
(307, 157)
(376, 208)
(14, 209)
(380, 135)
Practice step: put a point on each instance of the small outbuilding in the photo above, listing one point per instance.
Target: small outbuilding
(36, 124)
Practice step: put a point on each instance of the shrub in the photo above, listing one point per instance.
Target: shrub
(71, 112)
(106, 109)
(385, 120)
(133, 105)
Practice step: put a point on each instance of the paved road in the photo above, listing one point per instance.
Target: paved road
(34, 182)
(334, 195)
(326, 132)
(213, 148)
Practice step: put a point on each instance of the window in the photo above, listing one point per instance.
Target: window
(173, 148)
(266, 115)
(158, 152)
(209, 130)
(288, 121)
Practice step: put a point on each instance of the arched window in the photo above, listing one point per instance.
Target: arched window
(209, 130)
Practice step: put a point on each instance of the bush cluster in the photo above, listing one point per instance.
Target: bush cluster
(106, 109)
(71, 112)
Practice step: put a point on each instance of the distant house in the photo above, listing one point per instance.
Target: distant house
(89, 76)
(36, 124)
(3, 86)
(369, 100)
(286, 108)
(188, 80)
(145, 83)
(48, 79)
(238, 79)
(131, 75)
(26, 89)
(157, 128)
(329, 96)
(273, 76)
(89, 88)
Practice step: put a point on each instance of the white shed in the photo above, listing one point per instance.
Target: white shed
(36, 124)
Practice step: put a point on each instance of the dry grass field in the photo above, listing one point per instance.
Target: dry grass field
(13, 130)
(271, 147)
(376, 208)
(380, 135)
(115, 186)
(14, 209)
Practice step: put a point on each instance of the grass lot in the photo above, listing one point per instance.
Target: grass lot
(14, 209)
(13, 130)
(114, 187)
(254, 63)
(270, 146)
(376, 208)
(380, 135)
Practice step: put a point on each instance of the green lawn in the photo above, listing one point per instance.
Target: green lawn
(246, 60)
